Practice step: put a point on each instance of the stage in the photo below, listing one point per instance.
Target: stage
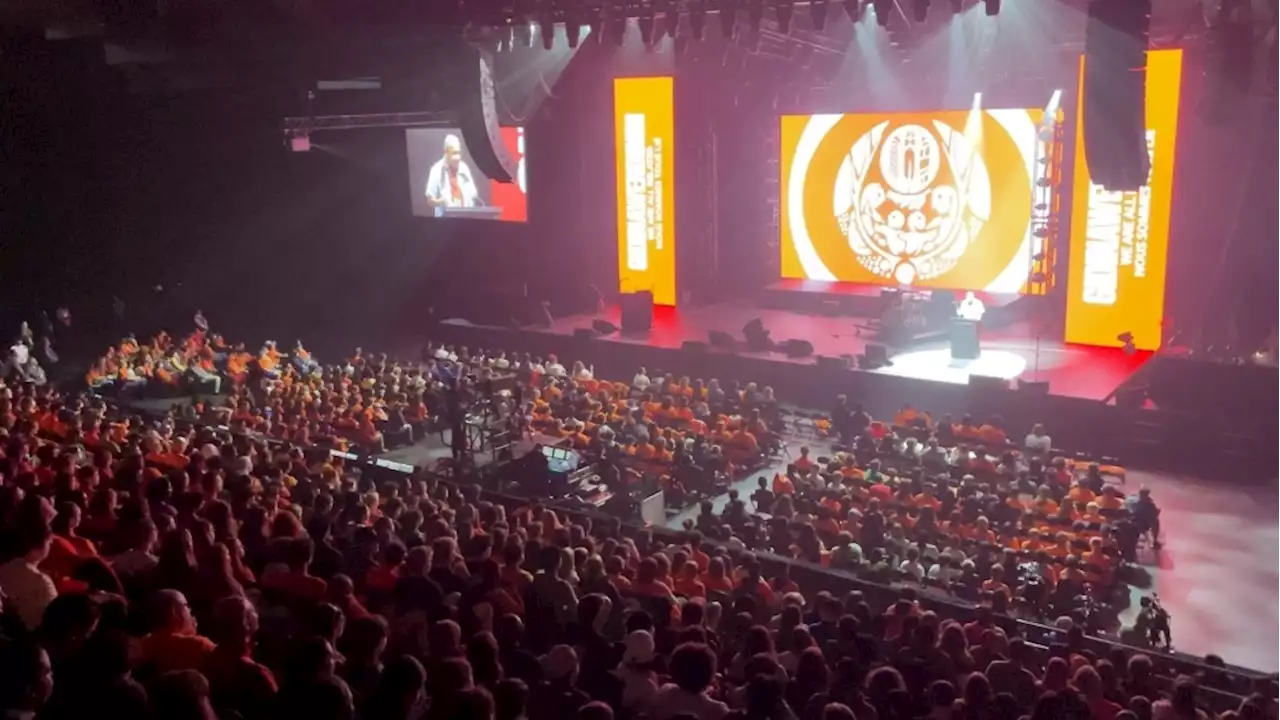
(1009, 352)
(1079, 379)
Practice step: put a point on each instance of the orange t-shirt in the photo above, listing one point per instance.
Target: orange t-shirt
(170, 651)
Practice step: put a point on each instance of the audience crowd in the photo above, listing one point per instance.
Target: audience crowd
(178, 568)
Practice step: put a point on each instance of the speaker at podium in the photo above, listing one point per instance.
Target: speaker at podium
(964, 339)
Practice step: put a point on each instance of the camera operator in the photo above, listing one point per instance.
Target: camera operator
(1146, 515)
(1159, 632)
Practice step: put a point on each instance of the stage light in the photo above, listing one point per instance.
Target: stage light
(547, 27)
(1055, 100)
(818, 14)
(594, 25)
(755, 14)
(992, 7)
(977, 101)
(571, 32)
(728, 19)
(883, 8)
(698, 21)
(784, 10)
(646, 24)
(670, 18)
(618, 30)
(853, 8)
(920, 10)
(523, 33)
(506, 39)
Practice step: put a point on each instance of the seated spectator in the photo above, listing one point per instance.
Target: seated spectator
(173, 643)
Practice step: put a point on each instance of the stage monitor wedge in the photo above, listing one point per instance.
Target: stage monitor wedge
(480, 130)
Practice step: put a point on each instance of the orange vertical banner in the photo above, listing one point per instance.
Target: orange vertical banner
(1120, 240)
(644, 154)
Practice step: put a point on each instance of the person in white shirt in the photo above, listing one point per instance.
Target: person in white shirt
(554, 368)
(692, 668)
(582, 373)
(501, 362)
(971, 308)
(449, 183)
(1038, 442)
(639, 681)
(944, 572)
(26, 588)
(912, 565)
(641, 381)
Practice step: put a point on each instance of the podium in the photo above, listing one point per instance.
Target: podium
(483, 212)
(964, 339)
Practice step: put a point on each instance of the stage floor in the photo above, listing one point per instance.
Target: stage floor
(1075, 371)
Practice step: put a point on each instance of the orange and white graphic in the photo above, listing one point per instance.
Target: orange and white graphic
(644, 144)
(1120, 240)
(936, 200)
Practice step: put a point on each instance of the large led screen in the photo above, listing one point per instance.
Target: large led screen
(937, 199)
(644, 154)
(444, 182)
(1120, 240)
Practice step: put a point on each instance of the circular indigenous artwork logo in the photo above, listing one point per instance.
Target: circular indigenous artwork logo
(910, 199)
(939, 199)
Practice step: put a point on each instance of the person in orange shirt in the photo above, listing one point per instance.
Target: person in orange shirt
(1092, 516)
(991, 434)
(652, 409)
(697, 428)
(966, 429)
(909, 417)
(174, 644)
(687, 583)
(1071, 572)
(296, 581)
(1110, 499)
(717, 578)
(744, 443)
(782, 485)
(682, 412)
(648, 583)
(1044, 503)
(381, 579)
(804, 463)
(1081, 494)
(925, 499)
(995, 582)
(1098, 565)
(1032, 541)
(981, 531)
